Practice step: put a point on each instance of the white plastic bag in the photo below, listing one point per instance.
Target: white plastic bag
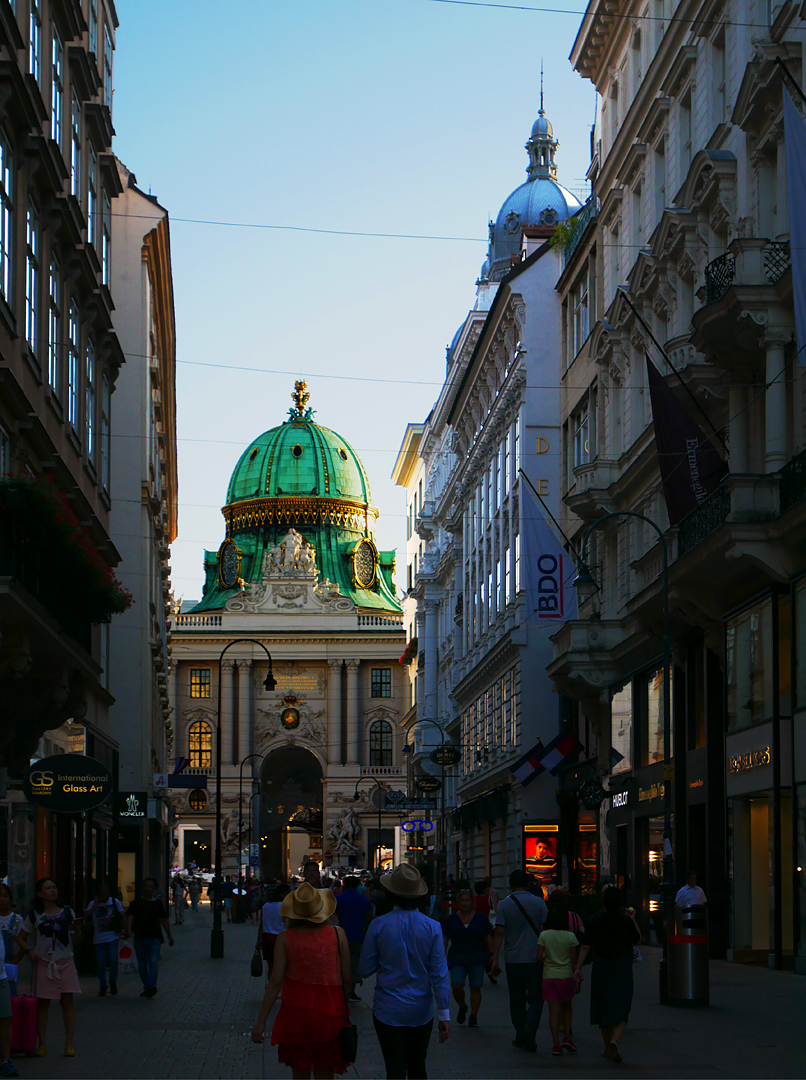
(127, 958)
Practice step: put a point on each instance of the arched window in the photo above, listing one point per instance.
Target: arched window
(200, 746)
(380, 743)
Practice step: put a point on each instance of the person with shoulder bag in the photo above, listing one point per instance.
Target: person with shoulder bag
(107, 919)
(312, 1031)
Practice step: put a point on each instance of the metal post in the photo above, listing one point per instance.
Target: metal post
(217, 933)
(380, 811)
(667, 886)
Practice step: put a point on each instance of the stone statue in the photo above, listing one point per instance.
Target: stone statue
(231, 827)
(345, 832)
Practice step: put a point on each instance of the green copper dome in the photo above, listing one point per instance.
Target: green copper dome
(304, 477)
(299, 458)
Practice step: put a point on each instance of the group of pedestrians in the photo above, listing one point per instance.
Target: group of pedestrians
(320, 946)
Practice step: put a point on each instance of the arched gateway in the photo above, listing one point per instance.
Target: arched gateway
(298, 571)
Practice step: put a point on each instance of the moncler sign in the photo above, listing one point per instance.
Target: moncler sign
(131, 805)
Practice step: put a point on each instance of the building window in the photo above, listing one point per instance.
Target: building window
(93, 24)
(75, 146)
(92, 196)
(32, 279)
(55, 329)
(749, 664)
(6, 205)
(35, 40)
(106, 408)
(5, 453)
(89, 401)
(106, 242)
(57, 89)
(73, 366)
(581, 438)
(107, 68)
(621, 728)
(380, 743)
(381, 682)
(517, 563)
(200, 746)
(199, 682)
(579, 324)
(197, 800)
(652, 707)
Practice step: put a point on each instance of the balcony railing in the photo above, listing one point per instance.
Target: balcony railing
(380, 621)
(381, 770)
(198, 620)
(588, 212)
(700, 523)
(793, 482)
(719, 276)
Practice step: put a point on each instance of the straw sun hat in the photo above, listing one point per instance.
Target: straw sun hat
(314, 905)
(404, 881)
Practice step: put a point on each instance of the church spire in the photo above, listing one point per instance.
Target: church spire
(542, 145)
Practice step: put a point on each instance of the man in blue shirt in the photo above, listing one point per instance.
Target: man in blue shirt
(355, 914)
(404, 950)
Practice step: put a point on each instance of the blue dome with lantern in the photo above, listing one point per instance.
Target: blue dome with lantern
(540, 201)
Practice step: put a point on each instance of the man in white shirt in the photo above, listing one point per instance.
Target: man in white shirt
(691, 893)
(519, 919)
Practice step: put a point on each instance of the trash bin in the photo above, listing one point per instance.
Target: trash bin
(688, 957)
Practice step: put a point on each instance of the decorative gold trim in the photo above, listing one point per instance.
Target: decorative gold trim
(297, 511)
(361, 584)
(239, 553)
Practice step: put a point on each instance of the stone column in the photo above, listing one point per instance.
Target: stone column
(353, 757)
(737, 408)
(334, 751)
(225, 719)
(244, 745)
(775, 401)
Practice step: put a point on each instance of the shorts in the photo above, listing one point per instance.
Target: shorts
(5, 999)
(473, 973)
(559, 989)
(228, 902)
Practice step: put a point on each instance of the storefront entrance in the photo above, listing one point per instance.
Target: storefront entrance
(752, 881)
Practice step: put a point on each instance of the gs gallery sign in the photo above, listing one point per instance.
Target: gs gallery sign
(67, 783)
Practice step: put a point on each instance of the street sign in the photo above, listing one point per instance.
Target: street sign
(178, 780)
(446, 755)
(253, 860)
(327, 858)
(428, 783)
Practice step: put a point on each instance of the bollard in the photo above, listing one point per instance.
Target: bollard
(688, 957)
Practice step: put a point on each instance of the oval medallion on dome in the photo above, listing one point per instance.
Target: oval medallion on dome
(364, 564)
(229, 564)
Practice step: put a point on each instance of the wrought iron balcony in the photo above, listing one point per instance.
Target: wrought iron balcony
(753, 262)
(793, 482)
(719, 276)
(700, 523)
(588, 212)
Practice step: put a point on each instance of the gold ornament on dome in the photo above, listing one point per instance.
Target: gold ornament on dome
(300, 397)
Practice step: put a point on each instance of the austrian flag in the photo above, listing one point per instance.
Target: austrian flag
(545, 758)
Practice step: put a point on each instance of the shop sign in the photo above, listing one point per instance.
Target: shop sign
(750, 759)
(428, 783)
(654, 791)
(446, 755)
(696, 784)
(620, 799)
(131, 805)
(67, 783)
(417, 825)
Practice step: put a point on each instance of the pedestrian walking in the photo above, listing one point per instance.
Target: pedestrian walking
(146, 917)
(470, 936)
(576, 926)
(691, 893)
(227, 892)
(194, 892)
(519, 918)
(179, 893)
(48, 935)
(482, 899)
(7, 1066)
(311, 966)
(10, 926)
(557, 952)
(355, 914)
(312, 874)
(611, 933)
(107, 921)
(405, 951)
(271, 924)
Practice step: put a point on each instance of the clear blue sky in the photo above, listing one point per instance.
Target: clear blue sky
(404, 117)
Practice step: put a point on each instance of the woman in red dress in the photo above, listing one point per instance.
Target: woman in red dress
(311, 964)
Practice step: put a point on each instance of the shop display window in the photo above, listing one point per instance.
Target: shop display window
(800, 644)
(587, 853)
(541, 852)
(800, 870)
(621, 726)
(653, 728)
(749, 662)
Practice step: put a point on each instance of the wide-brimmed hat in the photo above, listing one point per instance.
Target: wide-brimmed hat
(405, 881)
(306, 902)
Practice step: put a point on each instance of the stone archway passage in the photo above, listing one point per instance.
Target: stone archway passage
(290, 793)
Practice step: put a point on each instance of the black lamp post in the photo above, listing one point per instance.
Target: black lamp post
(270, 683)
(380, 811)
(586, 587)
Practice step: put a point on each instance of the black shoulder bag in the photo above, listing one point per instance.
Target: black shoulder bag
(349, 1033)
(523, 912)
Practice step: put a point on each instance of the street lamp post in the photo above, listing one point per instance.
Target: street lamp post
(586, 587)
(270, 683)
(249, 757)
(443, 845)
(380, 811)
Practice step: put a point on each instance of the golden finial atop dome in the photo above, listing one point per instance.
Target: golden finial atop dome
(300, 397)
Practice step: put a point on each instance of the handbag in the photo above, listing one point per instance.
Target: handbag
(349, 1033)
(256, 966)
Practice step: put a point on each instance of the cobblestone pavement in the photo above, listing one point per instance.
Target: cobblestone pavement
(198, 1026)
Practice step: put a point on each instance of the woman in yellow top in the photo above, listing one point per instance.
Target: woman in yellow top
(557, 952)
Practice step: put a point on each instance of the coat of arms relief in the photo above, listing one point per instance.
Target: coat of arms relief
(290, 583)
